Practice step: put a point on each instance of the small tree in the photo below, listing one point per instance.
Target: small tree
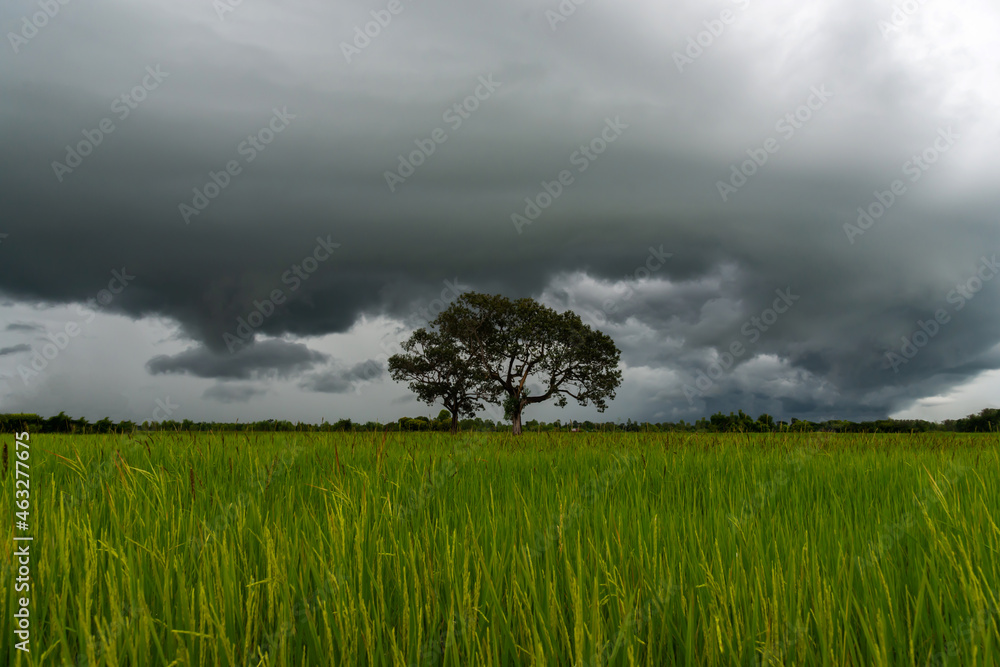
(766, 422)
(507, 342)
(439, 369)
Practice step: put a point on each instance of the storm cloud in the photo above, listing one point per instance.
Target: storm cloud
(180, 163)
(271, 358)
(225, 393)
(24, 326)
(339, 381)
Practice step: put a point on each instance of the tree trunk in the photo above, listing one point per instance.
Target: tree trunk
(516, 420)
(454, 422)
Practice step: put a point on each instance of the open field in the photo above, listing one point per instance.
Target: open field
(421, 549)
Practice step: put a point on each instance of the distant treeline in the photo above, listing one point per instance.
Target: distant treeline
(986, 421)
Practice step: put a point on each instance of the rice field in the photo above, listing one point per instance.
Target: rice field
(483, 549)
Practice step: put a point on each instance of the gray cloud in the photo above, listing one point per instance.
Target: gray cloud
(343, 380)
(324, 175)
(225, 393)
(14, 349)
(24, 326)
(271, 358)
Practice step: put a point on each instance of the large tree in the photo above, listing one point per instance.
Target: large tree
(437, 368)
(507, 343)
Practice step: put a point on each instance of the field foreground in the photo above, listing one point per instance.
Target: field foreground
(559, 549)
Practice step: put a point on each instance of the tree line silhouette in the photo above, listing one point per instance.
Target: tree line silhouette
(986, 421)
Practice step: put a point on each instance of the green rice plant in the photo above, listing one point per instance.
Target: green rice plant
(548, 549)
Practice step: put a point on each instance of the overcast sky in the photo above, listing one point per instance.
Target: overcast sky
(770, 206)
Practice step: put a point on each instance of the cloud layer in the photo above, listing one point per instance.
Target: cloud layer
(823, 150)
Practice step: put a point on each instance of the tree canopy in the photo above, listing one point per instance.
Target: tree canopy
(437, 368)
(495, 349)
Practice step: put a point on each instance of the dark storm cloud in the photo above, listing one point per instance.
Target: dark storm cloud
(14, 349)
(270, 358)
(24, 326)
(225, 393)
(341, 381)
(323, 176)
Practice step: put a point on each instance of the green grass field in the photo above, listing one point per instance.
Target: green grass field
(565, 549)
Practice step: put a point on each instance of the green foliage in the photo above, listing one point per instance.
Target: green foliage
(988, 420)
(439, 369)
(511, 343)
